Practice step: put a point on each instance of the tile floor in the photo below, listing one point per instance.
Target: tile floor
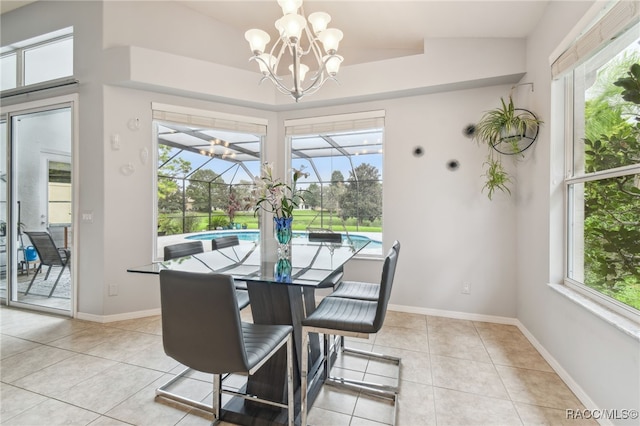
(56, 371)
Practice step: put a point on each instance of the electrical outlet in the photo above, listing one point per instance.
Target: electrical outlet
(466, 288)
(113, 289)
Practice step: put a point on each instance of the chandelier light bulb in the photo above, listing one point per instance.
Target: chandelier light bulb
(289, 6)
(257, 39)
(302, 72)
(267, 63)
(319, 21)
(330, 39)
(332, 64)
(292, 25)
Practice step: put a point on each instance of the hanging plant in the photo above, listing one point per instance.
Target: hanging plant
(506, 130)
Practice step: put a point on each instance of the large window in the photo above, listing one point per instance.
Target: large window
(342, 156)
(37, 60)
(603, 172)
(205, 172)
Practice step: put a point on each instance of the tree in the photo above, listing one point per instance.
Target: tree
(611, 219)
(334, 192)
(362, 198)
(203, 190)
(169, 191)
(312, 196)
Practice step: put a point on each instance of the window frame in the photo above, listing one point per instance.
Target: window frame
(19, 49)
(339, 124)
(210, 119)
(571, 178)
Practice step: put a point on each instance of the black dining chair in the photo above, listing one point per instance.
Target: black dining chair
(202, 329)
(229, 241)
(226, 241)
(49, 255)
(325, 237)
(339, 316)
(189, 248)
(328, 237)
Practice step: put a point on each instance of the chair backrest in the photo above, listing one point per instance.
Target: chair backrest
(386, 283)
(46, 248)
(325, 237)
(201, 326)
(226, 241)
(183, 249)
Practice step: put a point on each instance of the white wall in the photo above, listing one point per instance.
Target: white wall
(449, 231)
(599, 357)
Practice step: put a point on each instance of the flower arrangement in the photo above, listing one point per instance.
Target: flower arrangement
(274, 196)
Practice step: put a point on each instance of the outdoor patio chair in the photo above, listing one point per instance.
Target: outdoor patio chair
(49, 255)
(202, 329)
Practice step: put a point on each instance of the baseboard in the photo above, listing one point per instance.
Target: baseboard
(555, 365)
(566, 377)
(454, 314)
(117, 317)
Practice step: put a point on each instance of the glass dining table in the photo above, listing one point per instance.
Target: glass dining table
(280, 292)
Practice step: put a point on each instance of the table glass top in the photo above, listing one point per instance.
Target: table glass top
(311, 263)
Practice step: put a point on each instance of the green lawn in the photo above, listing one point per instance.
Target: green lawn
(302, 220)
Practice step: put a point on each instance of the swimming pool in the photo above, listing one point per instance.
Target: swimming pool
(356, 240)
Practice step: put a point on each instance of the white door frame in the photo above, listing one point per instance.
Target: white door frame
(25, 108)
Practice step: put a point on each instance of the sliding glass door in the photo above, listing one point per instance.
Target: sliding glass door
(39, 184)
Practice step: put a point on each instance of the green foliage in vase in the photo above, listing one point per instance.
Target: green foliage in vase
(275, 196)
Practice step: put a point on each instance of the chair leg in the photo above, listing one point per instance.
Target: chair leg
(57, 279)
(33, 279)
(369, 387)
(163, 392)
(46, 277)
(303, 378)
(217, 398)
(291, 407)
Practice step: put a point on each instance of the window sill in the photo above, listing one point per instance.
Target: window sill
(623, 324)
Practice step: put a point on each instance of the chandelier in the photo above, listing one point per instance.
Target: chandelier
(295, 34)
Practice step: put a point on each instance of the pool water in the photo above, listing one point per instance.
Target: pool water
(356, 240)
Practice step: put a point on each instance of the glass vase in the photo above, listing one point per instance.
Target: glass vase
(282, 270)
(283, 236)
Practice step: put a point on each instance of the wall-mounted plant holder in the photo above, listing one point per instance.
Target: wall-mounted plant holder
(517, 143)
(505, 130)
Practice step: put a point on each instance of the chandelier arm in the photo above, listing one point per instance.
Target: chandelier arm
(296, 92)
(322, 75)
(277, 81)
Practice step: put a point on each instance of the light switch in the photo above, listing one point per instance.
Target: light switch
(115, 142)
